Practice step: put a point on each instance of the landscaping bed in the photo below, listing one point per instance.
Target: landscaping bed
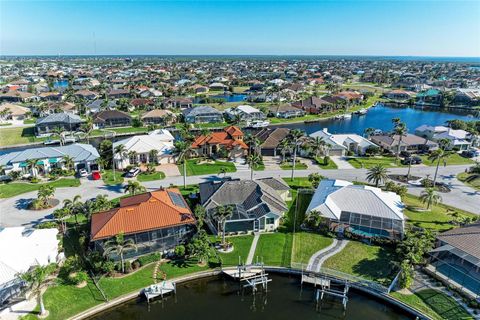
(470, 179)
(109, 179)
(150, 176)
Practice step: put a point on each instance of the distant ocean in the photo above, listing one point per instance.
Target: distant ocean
(469, 60)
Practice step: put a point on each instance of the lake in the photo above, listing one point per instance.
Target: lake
(226, 97)
(219, 298)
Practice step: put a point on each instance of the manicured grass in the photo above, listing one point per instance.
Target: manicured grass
(368, 162)
(240, 89)
(329, 165)
(260, 167)
(298, 166)
(298, 183)
(110, 179)
(6, 124)
(195, 169)
(438, 218)
(453, 159)
(18, 135)
(180, 268)
(15, 188)
(30, 121)
(274, 249)
(296, 210)
(366, 261)
(146, 176)
(241, 247)
(101, 133)
(308, 117)
(435, 304)
(305, 244)
(470, 179)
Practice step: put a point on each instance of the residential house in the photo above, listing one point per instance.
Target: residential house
(159, 116)
(245, 113)
(365, 211)
(257, 205)
(202, 114)
(430, 97)
(410, 143)
(181, 103)
(200, 89)
(466, 97)
(398, 95)
(99, 104)
(142, 103)
(50, 96)
(218, 86)
(340, 144)
(86, 94)
(118, 93)
(138, 149)
(286, 111)
(17, 96)
(84, 156)
(155, 221)
(14, 112)
(313, 105)
(229, 139)
(458, 139)
(65, 121)
(270, 140)
(112, 119)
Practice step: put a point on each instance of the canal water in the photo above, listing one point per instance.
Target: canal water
(219, 298)
(226, 97)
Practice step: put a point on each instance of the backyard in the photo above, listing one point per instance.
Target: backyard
(18, 135)
(305, 244)
(274, 249)
(241, 245)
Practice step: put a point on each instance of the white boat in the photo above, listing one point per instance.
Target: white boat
(50, 142)
(347, 116)
(159, 289)
(362, 111)
(259, 124)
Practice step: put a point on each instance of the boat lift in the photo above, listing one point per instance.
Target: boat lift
(324, 284)
(159, 290)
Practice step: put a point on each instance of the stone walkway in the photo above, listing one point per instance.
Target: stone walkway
(253, 247)
(319, 257)
(341, 163)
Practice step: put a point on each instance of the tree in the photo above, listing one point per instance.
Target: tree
(284, 148)
(400, 130)
(199, 213)
(430, 196)
(134, 187)
(153, 156)
(316, 145)
(200, 247)
(120, 151)
(45, 193)
(74, 207)
(377, 174)
(437, 156)
(223, 170)
(221, 214)
(87, 128)
(151, 167)
(119, 245)
(368, 132)
(60, 215)
(36, 280)
(315, 179)
(294, 138)
(253, 161)
(59, 132)
(183, 150)
(68, 161)
(32, 165)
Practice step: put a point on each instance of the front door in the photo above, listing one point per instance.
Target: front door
(256, 225)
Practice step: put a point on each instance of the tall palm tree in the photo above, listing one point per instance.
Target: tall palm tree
(45, 193)
(119, 245)
(121, 151)
(377, 174)
(284, 147)
(68, 161)
(430, 196)
(294, 137)
(74, 206)
(316, 145)
(183, 150)
(37, 280)
(153, 156)
(32, 166)
(437, 156)
(133, 187)
(87, 128)
(400, 130)
(253, 161)
(59, 132)
(221, 214)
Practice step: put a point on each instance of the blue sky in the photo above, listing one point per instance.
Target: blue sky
(418, 28)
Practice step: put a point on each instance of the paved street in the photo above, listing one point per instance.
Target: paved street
(13, 211)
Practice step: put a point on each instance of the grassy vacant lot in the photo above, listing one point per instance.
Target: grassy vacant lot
(298, 183)
(18, 135)
(453, 159)
(369, 162)
(274, 249)
(15, 188)
(305, 244)
(366, 261)
(101, 133)
(194, 169)
(435, 304)
(329, 165)
(298, 166)
(470, 179)
(241, 247)
(438, 218)
(146, 176)
(110, 179)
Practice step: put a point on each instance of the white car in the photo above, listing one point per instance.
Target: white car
(82, 173)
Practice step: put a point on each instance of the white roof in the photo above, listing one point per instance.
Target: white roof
(244, 108)
(21, 248)
(342, 139)
(452, 134)
(161, 140)
(436, 129)
(334, 196)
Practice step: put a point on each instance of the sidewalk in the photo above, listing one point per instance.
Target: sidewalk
(253, 247)
(318, 258)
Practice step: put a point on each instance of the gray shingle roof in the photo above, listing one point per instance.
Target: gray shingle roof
(67, 118)
(467, 239)
(201, 110)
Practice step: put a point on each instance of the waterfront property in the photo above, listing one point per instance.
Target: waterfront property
(155, 147)
(401, 96)
(14, 112)
(340, 144)
(155, 221)
(314, 105)
(111, 119)
(230, 139)
(202, 114)
(458, 139)
(256, 205)
(158, 116)
(245, 113)
(362, 210)
(466, 97)
(20, 249)
(286, 111)
(64, 121)
(430, 97)
(270, 140)
(410, 143)
(456, 259)
(84, 156)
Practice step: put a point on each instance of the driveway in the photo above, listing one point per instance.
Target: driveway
(342, 162)
(170, 169)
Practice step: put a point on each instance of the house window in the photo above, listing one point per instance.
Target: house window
(270, 220)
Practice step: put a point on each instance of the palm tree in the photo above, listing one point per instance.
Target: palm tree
(32, 166)
(284, 148)
(133, 155)
(74, 206)
(430, 196)
(368, 132)
(68, 161)
(87, 128)
(59, 132)
(294, 138)
(223, 171)
(133, 187)
(221, 214)
(119, 246)
(253, 161)
(36, 280)
(183, 150)
(153, 156)
(121, 152)
(377, 174)
(437, 155)
(317, 145)
(45, 193)
(399, 129)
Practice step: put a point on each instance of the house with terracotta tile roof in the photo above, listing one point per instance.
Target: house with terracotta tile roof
(230, 139)
(155, 221)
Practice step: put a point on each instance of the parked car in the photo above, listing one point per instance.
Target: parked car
(405, 154)
(133, 172)
(412, 160)
(5, 178)
(96, 175)
(82, 173)
(468, 153)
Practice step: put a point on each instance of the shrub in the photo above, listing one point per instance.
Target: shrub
(180, 251)
(156, 256)
(136, 265)
(47, 225)
(326, 160)
(107, 267)
(78, 277)
(34, 180)
(14, 175)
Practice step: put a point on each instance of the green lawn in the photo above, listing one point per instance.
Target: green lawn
(18, 135)
(241, 247)
(438, 218)
(368, 162)
(15, 188)
(470, 179)
(30, 121)
(260, 167)
(240, 89)
(305, 244)
(110, 179)
(453, 159)
(298, 183)
(329, 165)
(274, 249)
(298, 166)
(296, 210)
(194, 169)
(146, 176)
(435, 304)
(101, 132)
(366, 261)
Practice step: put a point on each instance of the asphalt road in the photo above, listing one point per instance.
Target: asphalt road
(13, 212)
